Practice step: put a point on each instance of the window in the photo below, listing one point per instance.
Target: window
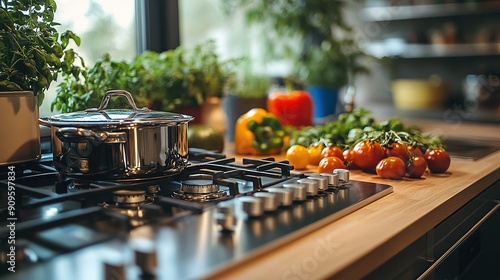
(124, 28)
(103, 26)
(200, 20)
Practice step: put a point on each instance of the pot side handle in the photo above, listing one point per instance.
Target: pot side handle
(80, 135)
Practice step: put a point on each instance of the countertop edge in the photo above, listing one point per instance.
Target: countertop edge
(401, 240)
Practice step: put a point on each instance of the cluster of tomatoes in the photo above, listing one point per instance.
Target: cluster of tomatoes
(394, 161)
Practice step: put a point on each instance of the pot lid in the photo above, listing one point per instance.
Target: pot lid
(102, 116)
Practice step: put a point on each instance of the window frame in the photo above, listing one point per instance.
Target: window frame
(157, 25)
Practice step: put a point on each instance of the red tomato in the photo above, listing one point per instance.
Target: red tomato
(328, 164)
(367, 154)
(349, 158)
(438, 160)
(294, 108)
(332, 151)
(416, 167)
(415, 151)
(397, 150)
(391, 168)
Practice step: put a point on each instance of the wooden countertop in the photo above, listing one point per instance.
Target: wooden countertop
(354, 245)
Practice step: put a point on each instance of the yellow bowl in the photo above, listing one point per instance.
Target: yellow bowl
(414, 94)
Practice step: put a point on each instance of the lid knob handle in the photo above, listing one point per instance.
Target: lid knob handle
(117, 92)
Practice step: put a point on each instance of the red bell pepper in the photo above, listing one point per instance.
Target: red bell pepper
(294, 108)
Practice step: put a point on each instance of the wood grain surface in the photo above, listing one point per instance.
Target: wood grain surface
(354, 245)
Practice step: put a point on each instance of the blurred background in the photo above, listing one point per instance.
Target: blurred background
(433, 59)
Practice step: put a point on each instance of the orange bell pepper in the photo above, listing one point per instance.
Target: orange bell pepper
(258, 132)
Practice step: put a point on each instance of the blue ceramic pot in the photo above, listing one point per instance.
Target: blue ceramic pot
(324, 100)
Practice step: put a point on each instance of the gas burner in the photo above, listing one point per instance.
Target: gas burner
(128, 203)
(200, 190)
(199, 186)
(200, 197)
(129, 198)
(256, 204)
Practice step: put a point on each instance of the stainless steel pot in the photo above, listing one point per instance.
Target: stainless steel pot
(119, 143)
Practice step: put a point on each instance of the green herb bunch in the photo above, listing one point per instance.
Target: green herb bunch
(352, 128)
(32, 52)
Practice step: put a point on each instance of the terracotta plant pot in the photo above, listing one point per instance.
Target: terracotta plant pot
(213, 114)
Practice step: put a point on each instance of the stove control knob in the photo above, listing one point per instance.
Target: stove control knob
(343, 176)
(253, 206)
(270, 200)
(285, 195)
(226, 222)
(225, 217)
(333, 179)
(146, 260)
(311, 186)
(145, 255)
(114, 271)
(322, 181)
(299, 191)
(225, 208)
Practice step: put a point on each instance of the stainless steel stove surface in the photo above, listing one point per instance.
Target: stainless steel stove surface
(216, 213)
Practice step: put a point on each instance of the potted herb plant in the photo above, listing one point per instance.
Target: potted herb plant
(328, 68)
(32, 54)
(173, 80)
(249, 91)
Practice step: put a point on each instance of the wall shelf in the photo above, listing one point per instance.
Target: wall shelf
(388, 13)
(452, 41)
(403, 50)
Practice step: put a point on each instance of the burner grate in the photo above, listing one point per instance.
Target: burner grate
(182, 221)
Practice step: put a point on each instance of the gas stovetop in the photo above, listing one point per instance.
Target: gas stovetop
(216, 213)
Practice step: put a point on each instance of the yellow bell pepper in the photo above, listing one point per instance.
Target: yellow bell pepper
(258, 132)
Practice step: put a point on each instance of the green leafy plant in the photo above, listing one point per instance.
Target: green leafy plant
(313, 34)
(330, 65)
(162, 81)
(247, 83)
(85, 88)
(357, 126)
(253, 85)
(32, 52)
